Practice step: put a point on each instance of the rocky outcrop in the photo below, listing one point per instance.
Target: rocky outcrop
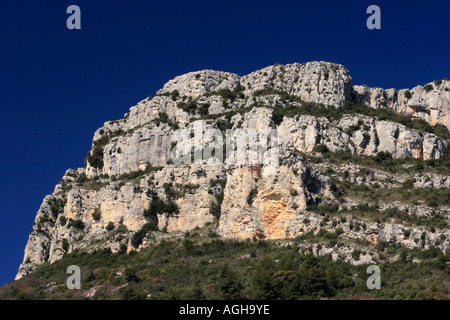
(266, 206)
(196, 84)
(319, 82)
(360, 134)
(430, 102)
(131, 177)
(151, 144)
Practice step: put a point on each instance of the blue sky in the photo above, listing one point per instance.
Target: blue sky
(57, 86)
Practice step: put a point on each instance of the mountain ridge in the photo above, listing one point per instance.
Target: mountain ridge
(129, 181)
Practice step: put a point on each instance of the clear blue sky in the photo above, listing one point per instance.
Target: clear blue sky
(58, 86)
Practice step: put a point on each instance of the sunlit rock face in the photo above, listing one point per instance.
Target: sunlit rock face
(130, 167)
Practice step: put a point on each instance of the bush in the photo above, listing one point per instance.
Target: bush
(217, 186)
(190, 107)
(251, 196)
(320, 148)
(130, 275)
(355, 254)
(174, 95)
(137, 238)
(215, 209)
(229, 283)
(65, 245)
(164, 118)
(428, 87)
(159, 206)
(408, 184)
(96, 215)
(203, 109)
(171, 207)
(95, 157)
(128, 293)
(292, 278)
(82, 178)
(408, 94)
(77, 224)
(333, 113)
(62, 220)
(383, 156)
(57, 206)
(110, 226)
(226, 94)
(432, 203)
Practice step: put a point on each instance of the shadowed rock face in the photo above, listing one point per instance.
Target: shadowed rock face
(129, 166)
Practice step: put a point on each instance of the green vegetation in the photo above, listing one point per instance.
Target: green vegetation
(217, 188)
(428, 87)
(158, 206)
(205, 268)
(57, 206)
(229, 95)
(283, 95)
(189, 107)
(96, 215)
(110, 226)
(65, 245)
(203, 109)
(77, 224)
(193, 107)
(251, 196)
(106, 138)
(320, 148)
(164, 118)
(95, 157)
(174, 95)
(373, 195)
(62, 220)
(134, 175)
(179, 191)
(408, 94)
(372, 212)
(93, 184)
(332, 113)
(137, 238)
(382, 161)
(82, 178)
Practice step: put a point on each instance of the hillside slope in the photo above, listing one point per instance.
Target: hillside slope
(366, 168)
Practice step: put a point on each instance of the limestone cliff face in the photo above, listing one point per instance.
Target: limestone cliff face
(257, 205)
(318, 82)
(130, 178)
(430, 102)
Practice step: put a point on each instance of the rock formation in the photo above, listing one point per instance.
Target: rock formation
(130, 178)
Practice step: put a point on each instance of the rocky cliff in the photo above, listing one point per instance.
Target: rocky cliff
(429, 102)
(330, 137)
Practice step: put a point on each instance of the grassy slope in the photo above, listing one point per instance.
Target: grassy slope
(200, 267)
